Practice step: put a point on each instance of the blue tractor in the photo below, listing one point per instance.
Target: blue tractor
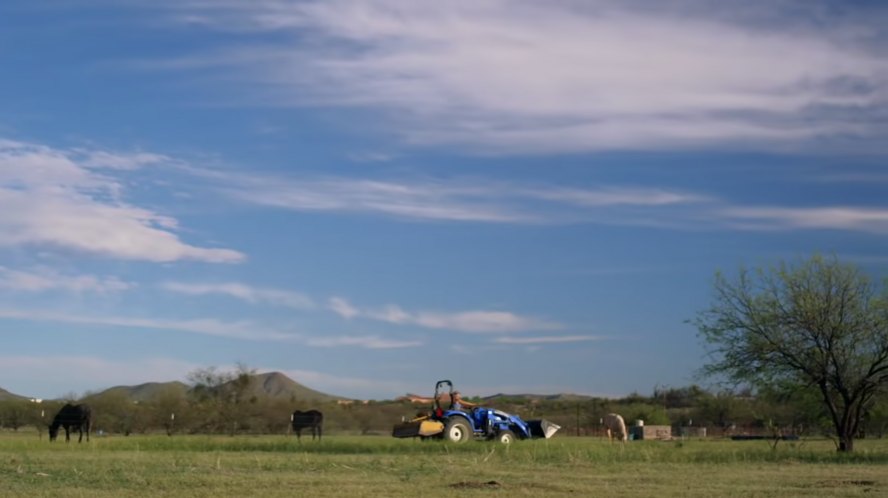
(452, 423)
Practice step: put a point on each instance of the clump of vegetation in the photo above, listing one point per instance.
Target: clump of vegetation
(816, 330)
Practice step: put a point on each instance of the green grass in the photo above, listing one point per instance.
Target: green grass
(269, 466)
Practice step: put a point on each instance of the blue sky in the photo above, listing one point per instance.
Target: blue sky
(370, 196)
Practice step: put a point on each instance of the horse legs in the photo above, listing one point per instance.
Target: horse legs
(67, 434)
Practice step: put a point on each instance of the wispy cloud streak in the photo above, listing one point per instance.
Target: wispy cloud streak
(369, 342)
(483, 200)
(478, 200)
(547, 339)
(874, 220)
(46, 279)
(561, 76)
(243, 292)
(242, 330)
(205, 326)
(476, 321)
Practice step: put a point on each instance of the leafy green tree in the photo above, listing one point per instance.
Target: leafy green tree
(222, 397)
(681, 397)
(877, 417)
(818, 324)
(114, 411)
(725, 410)
(650, 413)
(168, 409)
(15, 413)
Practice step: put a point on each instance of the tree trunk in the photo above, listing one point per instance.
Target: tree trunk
(846, 443)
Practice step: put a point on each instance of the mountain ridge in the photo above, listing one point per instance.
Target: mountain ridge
(269, 384)
(278, 385)
(6, 395)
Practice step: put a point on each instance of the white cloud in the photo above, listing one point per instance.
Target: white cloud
(46, 279)
(112, 160)
(369, 342)
(479, 200)
(873, 220)
(244, 292)
(482, 321)
(244, 330)
(486, 200)
(391, 314)
(430, 201)
(615, 196)
(547, 339)
(49, 199)
(476, 321)
(515, 76)
(343, 308)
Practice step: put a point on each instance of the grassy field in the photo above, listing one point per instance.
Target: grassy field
(269, 466)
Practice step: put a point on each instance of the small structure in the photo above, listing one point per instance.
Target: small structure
(639, 431)
(693, 432)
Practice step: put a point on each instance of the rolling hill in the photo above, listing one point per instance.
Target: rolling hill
(6, 395)
(146, 391)
(271, 385)
(278, 385)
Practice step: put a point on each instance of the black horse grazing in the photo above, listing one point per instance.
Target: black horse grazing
(312, 419)
(72, 418)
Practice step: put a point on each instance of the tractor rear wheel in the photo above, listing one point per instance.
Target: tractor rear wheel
(505, 437)
(457, 431)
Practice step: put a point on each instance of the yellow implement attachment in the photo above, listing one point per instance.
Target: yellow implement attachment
(420, 426)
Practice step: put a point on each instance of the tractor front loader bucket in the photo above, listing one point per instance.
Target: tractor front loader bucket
(418, 427)
(542, 428)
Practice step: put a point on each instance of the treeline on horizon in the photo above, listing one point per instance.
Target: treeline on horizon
(230, 410)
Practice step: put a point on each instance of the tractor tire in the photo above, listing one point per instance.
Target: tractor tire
(457, 431)
(505, 437)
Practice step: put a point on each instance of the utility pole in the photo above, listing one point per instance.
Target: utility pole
(578, 418)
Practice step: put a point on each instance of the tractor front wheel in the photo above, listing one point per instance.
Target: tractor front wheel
(505, 437)
(457, 431)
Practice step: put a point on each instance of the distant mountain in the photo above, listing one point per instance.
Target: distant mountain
(146, 391)
(272, 385)
(278, 385)
(6, 395)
